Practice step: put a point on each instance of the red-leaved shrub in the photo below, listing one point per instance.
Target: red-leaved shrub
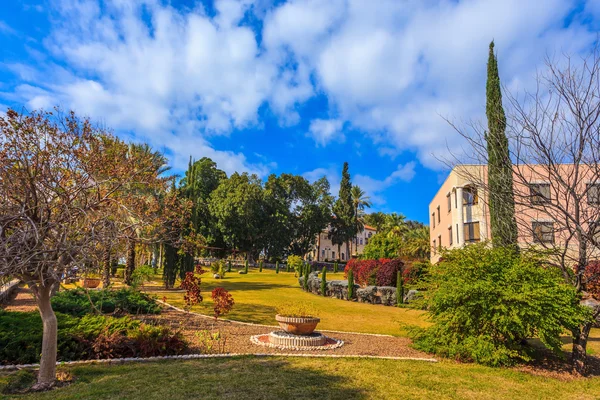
(386, 274)
(191, 285)
(223, 301)
(353, 265)
(366, 273)
(592, 278)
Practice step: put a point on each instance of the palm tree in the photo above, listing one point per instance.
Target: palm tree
(417, 243)
(360, 201)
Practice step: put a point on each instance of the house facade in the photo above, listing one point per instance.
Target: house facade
(325, 250)
(459, 212)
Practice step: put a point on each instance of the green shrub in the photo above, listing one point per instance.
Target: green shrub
(260, 266)
(246, 266)
(484, 302)
(76, 302)
(89, 337)
(277, 267)
(335, 267)
(324, 282)
(141, 275)
(295, 263)
(229, 266)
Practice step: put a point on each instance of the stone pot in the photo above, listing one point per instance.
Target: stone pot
(297, 325)
(91, 283)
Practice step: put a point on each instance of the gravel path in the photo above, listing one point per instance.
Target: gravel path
(22, 301)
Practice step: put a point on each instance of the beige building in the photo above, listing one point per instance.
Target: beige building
(326, 250)
(459, 211)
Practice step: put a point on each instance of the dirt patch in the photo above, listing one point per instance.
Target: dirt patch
(22, 300)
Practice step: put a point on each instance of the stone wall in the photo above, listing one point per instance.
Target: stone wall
(385, 295)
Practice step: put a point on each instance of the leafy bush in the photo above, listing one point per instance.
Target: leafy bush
(295, 262)
(89, 337)
(77, 302)
(191, 284)
(485, 302)
(300, 310)
(141, 275)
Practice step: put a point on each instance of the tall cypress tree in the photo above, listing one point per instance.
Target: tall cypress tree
(344, 228)
(500, 173)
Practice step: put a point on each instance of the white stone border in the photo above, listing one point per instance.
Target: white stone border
(119, 361)
(263, 325)
(338, 343)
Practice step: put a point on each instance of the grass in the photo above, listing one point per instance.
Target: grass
(303, 378)
(259, 294)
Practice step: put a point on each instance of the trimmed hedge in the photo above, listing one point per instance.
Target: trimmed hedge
(89, 337)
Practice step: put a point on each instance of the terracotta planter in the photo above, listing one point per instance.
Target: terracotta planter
(91, 283)
(297, 325)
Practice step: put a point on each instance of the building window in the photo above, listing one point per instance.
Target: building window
(449, 199)
(361, 241)
(470, 196)
(434, 247)
(472, 232)
(455, 199)
(539, 193)
(450, 236)
(543, 232)
(440, 242)
(333, 255)
(457, 235)
(593, 193)
(438, 210)
(433, 220)
(370, 234)
(322, 253)
(343, 256)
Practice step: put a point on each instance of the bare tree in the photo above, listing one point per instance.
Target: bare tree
(554, 136)
(62, 185)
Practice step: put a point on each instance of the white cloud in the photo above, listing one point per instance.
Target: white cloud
(388, 68)
(324, 131)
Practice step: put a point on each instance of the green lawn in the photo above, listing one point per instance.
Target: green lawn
(258, 295)
(296, 378)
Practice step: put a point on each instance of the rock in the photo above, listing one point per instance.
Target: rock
(387, 295)
(338, 289)
(368, 294)
(242, 272)
(217, 276)
(411, 295)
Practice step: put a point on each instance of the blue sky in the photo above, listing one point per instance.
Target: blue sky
(295, 86)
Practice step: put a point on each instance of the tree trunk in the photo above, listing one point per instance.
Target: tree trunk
(130, 267)
(106, 269)
(579, 355)
(47, 373)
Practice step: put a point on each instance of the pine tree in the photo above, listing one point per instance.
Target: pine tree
(324, 282)
(350, 285)
(399, 288)
(170, 265)
(500, 173)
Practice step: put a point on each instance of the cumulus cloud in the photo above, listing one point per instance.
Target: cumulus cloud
(324, 131)
(177, 77)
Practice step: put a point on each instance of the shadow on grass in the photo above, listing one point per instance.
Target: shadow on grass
(237, 378)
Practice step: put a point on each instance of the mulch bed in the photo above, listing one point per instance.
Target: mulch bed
(22, 300)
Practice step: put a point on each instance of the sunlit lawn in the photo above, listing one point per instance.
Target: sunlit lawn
(258, 295)
(297, 378)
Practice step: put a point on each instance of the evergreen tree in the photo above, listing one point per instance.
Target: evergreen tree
(399, 288)
(277, 267)
(260, 265)
(246, 266)
(229, 266)
(335, 267)
(343, 225)
(171, 264)
(306, 273)
(350, 285)
(500, 172)
(324, 282)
